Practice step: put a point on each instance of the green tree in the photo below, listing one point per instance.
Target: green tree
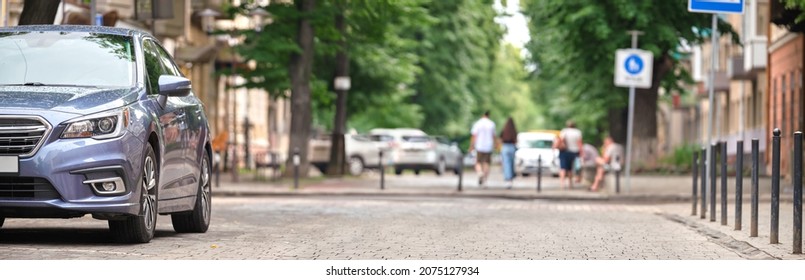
(573, 46)
(457, 55)
(382, 62)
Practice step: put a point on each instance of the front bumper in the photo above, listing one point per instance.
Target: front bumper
(65, 164)
(531, 167)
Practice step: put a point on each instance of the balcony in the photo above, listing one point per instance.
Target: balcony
(755, 53)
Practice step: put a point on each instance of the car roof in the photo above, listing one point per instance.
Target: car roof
(536, 135)
(74, 28)
(398, 131)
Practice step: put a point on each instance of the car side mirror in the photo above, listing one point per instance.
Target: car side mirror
(174, 86)
(170, 85)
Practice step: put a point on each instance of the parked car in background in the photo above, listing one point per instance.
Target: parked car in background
(531, 146)
(100, 121)
(450, 152)
(362, 152)
(413, 149)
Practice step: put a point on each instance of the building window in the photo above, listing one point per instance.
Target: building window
(773, 105)
(783, 100)
(762, 22)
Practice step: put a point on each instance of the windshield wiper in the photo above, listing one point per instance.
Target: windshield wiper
(36, 84)
(39, 84)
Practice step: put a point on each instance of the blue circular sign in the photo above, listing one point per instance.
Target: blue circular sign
(633, 64)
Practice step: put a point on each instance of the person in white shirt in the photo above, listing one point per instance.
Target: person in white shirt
(569, 144)
(483, 142)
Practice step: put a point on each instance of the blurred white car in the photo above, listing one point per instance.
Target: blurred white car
(413, 149)
(531, 146)
(362, 152)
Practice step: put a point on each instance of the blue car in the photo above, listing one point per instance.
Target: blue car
(100, 121)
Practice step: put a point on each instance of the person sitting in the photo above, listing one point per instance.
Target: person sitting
(587, 161)
(611, 159)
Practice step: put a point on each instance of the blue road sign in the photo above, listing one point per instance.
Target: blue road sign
(716, 6)
(633, 64)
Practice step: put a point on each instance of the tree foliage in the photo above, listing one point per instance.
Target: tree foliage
(573, 49)
(435, 65)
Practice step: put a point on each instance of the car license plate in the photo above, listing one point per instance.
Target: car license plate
(9, 164)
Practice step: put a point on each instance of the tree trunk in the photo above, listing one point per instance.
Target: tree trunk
(618, 119)
(300, 72)
(39, 12)
(338, 157)
(644, 141)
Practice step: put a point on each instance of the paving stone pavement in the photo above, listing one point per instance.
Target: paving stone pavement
(384, 228)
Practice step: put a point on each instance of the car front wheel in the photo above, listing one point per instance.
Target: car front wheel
(355, 166)
(441, 166)
(2, 220)
(141, 228)
(197, 220)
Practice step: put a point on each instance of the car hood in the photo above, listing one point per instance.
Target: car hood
(76, 100)
(532, 153)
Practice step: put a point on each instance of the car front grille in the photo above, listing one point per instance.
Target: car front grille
(21, 135)
(26, 188)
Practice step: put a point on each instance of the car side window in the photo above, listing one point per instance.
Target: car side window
(153, 66)
(167, 63)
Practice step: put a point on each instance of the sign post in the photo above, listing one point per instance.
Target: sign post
(633, 69)
(714, 7)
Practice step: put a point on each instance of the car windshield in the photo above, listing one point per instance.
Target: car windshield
(66, 59)
(537, 144)
(418, 139)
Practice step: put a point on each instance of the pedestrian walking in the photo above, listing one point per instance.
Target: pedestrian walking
(509, 138)
(569, 144)
(483, 142)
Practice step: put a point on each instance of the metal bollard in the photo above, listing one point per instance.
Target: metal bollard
(755, 164)
(539, 173)
(618, 175)
(695, 180)
(460, 169)
(382, 170)
(739, 182)
(723, 183)
(296, 161)
(703, 163)
(797, 192)
(218, 174)
(712, 165)
(775, 187)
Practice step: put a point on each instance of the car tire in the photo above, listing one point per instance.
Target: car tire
(356, 166)
(398, 171)
(525, 174)
(198, 220)
(141, 228)
(416, 171)
(441, 167)
(2, 220)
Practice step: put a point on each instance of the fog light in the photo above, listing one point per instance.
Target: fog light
(108, 186)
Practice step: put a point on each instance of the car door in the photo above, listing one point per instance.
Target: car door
(170, 119)
(189, 126)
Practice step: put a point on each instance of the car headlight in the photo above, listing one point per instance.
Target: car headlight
(102, 125)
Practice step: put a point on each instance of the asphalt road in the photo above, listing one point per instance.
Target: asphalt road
(383, 228)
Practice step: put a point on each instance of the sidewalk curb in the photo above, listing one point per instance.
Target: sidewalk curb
(604, 198)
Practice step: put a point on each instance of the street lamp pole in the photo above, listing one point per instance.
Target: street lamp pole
(234, 94)
(711, 86)
(630, 123)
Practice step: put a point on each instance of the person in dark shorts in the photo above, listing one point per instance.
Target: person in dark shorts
(569, 144)
(483, 142)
